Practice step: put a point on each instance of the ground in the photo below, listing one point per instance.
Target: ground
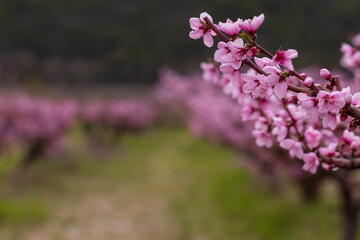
(161, 184)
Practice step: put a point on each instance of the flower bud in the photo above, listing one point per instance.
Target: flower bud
(343, 117)
(308, 81)
(293, 99)
(304, 75)
(325, 74)
(353, 124)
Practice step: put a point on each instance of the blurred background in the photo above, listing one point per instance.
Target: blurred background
(100, 140)
(87, 43)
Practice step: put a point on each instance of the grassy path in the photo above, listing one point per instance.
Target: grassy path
(160, 185)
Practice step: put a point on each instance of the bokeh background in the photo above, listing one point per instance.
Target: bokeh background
(157, 181)
(84, 43)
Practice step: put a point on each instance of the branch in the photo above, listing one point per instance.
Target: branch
(313, 90)
(216, 30)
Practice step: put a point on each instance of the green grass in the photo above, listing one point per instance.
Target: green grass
(161, 184)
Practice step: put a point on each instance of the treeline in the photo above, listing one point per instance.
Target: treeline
(112, 41)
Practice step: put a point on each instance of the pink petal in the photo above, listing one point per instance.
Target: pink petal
(236, 79)
(239, 42)
(196, 34)
(249, 78)
(228, 58)
(356, 99)
(288, 64)
(333, 122)
(326, 120)
(195, 23)
(205, 14)
(219, 54)
(280, 89)
(262, 62)
(236, 65)
(249, 87)
(270, 70)
(303, 96)
(208, 40)
(291, 53)
(226, 68)
(272, 79)
(287, 144)
(257, 21)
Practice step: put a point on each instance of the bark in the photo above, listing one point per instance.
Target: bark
(32, 155)
(350, 207)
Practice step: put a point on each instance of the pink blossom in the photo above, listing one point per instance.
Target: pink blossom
(210, 72)
(252, 52)
(276, 81)
(356, 40)
(263, 138)
(351, 139)
(261, 124)
(309, 104)
(328, 137)
(297, 112)
(294, 147)
(330, 102)
(263, 62)
(329, 167)
(222, 50)
(237, 53)
(228, 86)
(329, 151)
(280, 128)
(229, 27)
(263, 90)
(251, 83)
(252, 25)
(329, 121)
(234, 75)
(312, 137)
(200, 29)
(248, 110)
(311, 162)
(350, 58)
(284, 58)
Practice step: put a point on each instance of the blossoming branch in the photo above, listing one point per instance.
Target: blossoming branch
(315, 123)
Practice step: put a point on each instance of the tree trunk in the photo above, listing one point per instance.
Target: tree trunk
(350, 207)
(35, 150)
(309, 189)
(309, 185)
(350, 214)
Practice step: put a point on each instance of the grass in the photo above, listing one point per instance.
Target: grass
(161, 184)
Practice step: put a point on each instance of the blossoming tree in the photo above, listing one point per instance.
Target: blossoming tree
(316, 123)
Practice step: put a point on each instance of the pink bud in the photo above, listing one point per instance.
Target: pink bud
(308, 81)
(293, 99)
(353, 124)
(304, 75)
(325, 74)
(343, 117)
